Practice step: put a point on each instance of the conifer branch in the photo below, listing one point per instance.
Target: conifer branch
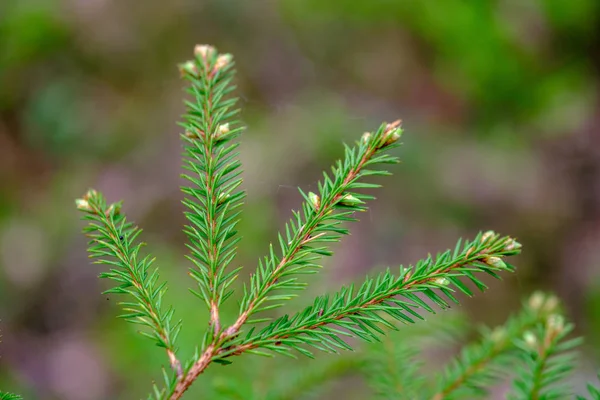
(317, 224)
(547, 359)
(213, 201)
(357, 312)
(113, 244)
(213, 198)
(483, 363)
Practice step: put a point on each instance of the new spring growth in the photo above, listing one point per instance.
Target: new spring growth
(495, 262)
(315, 201)
(222, 61)
(441, 281)
(543, 303)
(487, 236)
(188, 68)
(349, 200)
(365, 137)
(222, 131)
(204, 51)
(536, 301)
(530, 339)
(512, 245)
(83, 203)
(393, 131)
(222, 198)
(555, 324)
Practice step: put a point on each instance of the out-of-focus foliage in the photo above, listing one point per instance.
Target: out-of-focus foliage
(501, 99)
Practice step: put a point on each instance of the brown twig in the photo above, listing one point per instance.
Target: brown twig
(186, 381)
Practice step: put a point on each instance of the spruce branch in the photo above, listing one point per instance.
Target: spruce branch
(547, 359)
(213, 201)
(357, 313)
(309, 232)
(113, 243)
(483, 363)
(213, 195)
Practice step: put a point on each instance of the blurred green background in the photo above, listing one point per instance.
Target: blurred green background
(501, 108)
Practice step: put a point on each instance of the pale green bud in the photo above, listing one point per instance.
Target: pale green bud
(223, 197)
(487, 236)
(530, 339)
(315, 200)
(204, 51)
(495, 262)
(393, 131)
(90, 193)
(512, 244)
(536, 301)
(222, 130)
(188, 68)
(365, 137)
(83, 205)
(442, 281)
(556, 323)
(393, 136)
(222, 61)
(349, 200)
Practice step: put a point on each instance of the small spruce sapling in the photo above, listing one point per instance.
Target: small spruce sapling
(213, 201)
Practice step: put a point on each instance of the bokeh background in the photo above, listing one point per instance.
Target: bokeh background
(501, 108)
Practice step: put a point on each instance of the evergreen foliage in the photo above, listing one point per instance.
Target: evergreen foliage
(213, 201)
(547, 359)
(489, 360)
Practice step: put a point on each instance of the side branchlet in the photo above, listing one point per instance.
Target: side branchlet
(547, 358)
(489, 360)
(213, 196)
(113, 242)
